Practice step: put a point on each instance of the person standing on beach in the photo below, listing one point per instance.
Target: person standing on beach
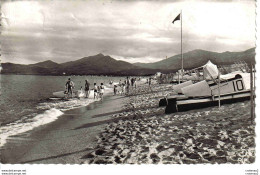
(69, 86)
(115, 89)
(95, 91)
(122, 88)
(132, 81)
(127, 85)
(87, 88)
(135, 83)
(150, 82)
(102, 90)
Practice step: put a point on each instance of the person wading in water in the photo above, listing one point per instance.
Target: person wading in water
(95, 91)
(87, 88)
(69, 86)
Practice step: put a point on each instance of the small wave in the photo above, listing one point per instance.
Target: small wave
(65, 105)
(22, 126)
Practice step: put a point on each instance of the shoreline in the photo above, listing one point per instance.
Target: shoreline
(48, 111)
(40, 144)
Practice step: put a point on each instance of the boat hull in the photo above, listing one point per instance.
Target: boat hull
(181, 105)
(164, 101)
(176, 92)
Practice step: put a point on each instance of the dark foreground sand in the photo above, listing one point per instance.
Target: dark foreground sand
(144, 134)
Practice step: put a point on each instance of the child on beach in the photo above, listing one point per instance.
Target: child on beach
(80, 93)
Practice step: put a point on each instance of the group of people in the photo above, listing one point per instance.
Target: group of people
(98, 90)
(124, 87)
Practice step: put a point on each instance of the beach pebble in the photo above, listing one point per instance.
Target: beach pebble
(192, 155)
(221, 143)
(102, 161)
(160, 148)
(88, 156)
(209, 142)
(251, 159)
(189, 142)
(117, 159)
(99, 152)
(220, 153)
(220, 160)
(166, 152)
(155, 158)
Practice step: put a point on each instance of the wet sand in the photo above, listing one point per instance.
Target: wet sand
(65, 140)
(144, 134)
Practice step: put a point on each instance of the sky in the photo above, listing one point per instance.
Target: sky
(133, 31)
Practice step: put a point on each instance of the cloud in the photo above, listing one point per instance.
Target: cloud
(136, 31)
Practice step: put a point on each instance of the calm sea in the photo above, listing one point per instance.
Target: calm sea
(25, 100)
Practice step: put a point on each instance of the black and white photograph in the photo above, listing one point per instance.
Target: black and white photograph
(90, 82)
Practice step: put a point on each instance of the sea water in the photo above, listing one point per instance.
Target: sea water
(26, 100)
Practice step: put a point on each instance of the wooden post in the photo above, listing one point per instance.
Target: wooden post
(178, 77)
(218, 89)
(252, 93)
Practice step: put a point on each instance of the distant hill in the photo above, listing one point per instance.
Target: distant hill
(198, 58)
(92, 65)
(106, 65)
(10, 68)
(46, 64)
(96, 65)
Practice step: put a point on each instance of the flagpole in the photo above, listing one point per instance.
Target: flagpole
(181, 51)
(179, 17)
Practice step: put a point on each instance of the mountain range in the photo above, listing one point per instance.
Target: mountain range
(198, 58)
(106, 65)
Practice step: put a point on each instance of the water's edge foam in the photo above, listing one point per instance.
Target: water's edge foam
(52, 110)
(19, 127)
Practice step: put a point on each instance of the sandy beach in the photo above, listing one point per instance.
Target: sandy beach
(133, 129)
(144, 134)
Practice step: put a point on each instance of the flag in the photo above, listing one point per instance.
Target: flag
(177, 18)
